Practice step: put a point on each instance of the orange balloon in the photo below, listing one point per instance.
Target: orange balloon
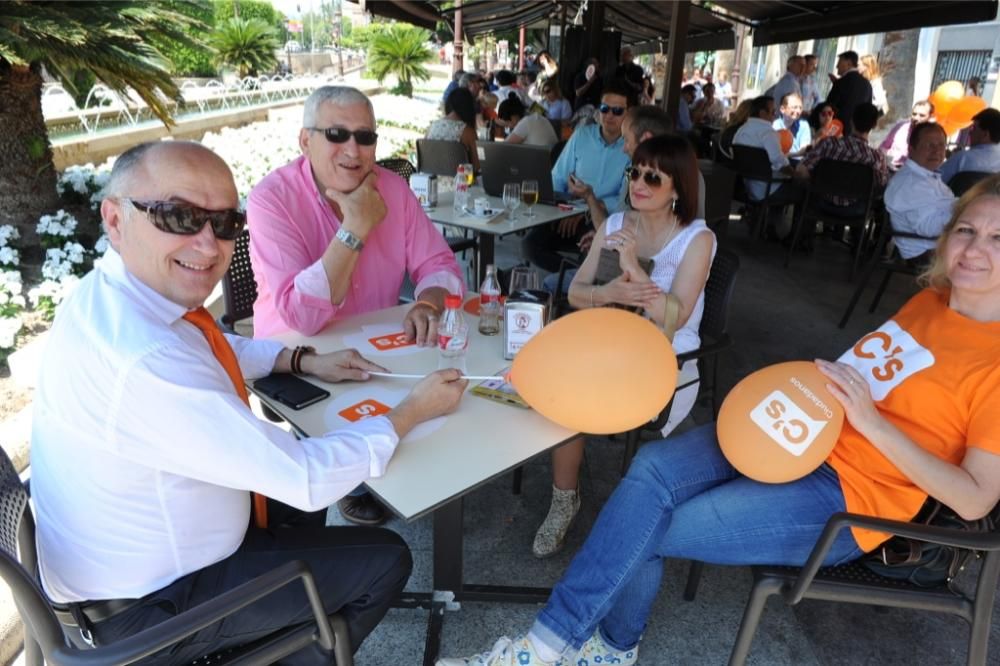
(613, 385)
(945, 96)
(780, 423)
(961, 114)
(950, 127)
(785, 138)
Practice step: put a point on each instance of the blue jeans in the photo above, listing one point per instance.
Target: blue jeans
(681, 498)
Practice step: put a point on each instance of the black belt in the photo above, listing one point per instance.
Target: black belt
(93, 611)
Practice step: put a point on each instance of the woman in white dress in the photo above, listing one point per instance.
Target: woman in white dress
(458, 124)
(663, 193)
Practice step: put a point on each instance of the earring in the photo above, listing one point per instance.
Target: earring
(673, 205)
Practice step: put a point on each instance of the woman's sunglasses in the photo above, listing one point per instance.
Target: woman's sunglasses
(341, 135)
(617, 110)
(175, 217)
(651, 178)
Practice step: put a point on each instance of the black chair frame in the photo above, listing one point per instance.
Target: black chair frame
(963, 180)
(848, 180)
(754, 164)
(855, 583)
(45, 638)
(239, 289)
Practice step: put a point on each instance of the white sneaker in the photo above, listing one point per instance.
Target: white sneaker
(551, 535)
(595, 652)
(506, 652)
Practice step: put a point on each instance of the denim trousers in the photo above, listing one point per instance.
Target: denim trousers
(681, 498)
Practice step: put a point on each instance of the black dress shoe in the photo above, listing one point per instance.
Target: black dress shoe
(362, 509)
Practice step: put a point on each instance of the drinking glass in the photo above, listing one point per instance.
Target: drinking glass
(522, 278)
(529, 195)
(511, 199)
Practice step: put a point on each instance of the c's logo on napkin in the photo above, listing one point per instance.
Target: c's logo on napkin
(391, 341)
(786, 423)
(365, 409)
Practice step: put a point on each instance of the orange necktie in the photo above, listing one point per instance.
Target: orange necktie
(223, 351)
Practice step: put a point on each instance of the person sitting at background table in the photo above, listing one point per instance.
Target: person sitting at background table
(556, 108)
(927, 430)
(790, 118)
(458, 124)
(531, 129)
(661, 225)
(708, 110)
(736, 120)
(144, 449)
(824, 124)
(333, 235)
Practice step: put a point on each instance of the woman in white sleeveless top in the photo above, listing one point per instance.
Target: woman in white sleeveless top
(663, 191)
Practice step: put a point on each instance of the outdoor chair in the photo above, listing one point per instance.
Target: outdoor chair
(720, 182)
(888, 260)
(440, 157)
(848, 180)
(404, 169)
(715, 338)
(239, 289)
(856, 583)
(963, 180)
(44, 637)
(754, 164)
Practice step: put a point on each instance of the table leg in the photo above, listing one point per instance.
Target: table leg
(485, 256)
(448, 547)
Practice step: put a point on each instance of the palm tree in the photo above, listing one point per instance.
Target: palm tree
(246, 44)
(400, 50)
(108, 39)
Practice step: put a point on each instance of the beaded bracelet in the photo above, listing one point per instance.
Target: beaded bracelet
(296, 361)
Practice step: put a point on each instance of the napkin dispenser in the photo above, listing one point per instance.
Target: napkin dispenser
(525, 313)
(425, 187)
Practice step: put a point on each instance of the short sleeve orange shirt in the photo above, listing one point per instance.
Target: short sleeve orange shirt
(935, 375)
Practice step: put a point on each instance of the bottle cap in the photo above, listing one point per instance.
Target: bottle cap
(452, 301)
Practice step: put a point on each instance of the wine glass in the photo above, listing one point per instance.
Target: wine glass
(511, 199)
(529, 195)
(523, 278)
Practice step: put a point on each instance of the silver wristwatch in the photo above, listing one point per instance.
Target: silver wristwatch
(349, 239)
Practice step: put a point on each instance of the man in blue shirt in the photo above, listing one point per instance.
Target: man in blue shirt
(791, 120)
(984, 151)
(593, 156)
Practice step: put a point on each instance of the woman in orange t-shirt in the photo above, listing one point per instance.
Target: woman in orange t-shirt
(920, 394)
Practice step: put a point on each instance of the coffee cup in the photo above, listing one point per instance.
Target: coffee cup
(481, 205)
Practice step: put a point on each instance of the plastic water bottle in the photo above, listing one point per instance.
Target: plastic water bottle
(489, 303)
(461, 201)
(453, 335)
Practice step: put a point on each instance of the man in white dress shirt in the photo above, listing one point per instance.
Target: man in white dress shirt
(917, 199)
(984, 151)
(144, 453)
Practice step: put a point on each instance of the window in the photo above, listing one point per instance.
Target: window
(961, 66)
(757, 71)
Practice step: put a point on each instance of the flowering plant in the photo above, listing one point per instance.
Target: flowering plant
(84, 183)
(53, 230)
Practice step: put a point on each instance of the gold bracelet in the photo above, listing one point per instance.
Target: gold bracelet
(436, 309)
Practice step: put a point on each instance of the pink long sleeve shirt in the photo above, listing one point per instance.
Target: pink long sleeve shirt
(291, 225)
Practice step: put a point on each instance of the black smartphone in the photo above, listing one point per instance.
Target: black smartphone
(290, 390)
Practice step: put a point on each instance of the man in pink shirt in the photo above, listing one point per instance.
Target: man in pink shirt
(332, 235)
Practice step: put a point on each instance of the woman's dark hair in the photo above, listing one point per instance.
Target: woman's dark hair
(461, 102)
(673, 155)
(814, 114)
(505, 77)
(511, 107)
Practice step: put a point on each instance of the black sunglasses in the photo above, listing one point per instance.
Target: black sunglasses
(175, 217)
(617, 110)
(652, 178)
(342, 135)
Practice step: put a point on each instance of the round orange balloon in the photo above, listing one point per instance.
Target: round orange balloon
(785, 138)
(950, 127)
(961, 114)
(598, 371)
(945, 96)
(780, 423)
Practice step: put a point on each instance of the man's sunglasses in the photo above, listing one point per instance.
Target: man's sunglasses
(342, 135)
(617, 110)
(175, 217)
(652, 178)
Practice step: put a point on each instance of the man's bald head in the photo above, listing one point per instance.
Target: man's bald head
(158, 162)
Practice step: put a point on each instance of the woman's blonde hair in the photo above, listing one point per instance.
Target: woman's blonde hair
(936, 275)
(741, 113)
(871, 67)
(489, 100)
